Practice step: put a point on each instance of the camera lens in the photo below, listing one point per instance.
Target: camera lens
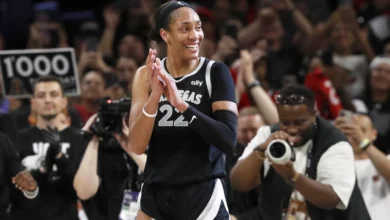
(277, 150)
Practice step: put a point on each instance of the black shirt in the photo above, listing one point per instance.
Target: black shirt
(177, 155)
(9, 166)
(117, 172)
(57, 198)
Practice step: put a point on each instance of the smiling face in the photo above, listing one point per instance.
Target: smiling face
(185, 33)
(298, 121)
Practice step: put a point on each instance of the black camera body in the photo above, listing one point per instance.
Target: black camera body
(110, 117)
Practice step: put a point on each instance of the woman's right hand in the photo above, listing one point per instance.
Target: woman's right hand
(153, 66)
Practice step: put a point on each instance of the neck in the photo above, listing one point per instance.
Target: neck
(53, 123)
(178, 68)
(361, 156)
(379, 95)
(90, 104)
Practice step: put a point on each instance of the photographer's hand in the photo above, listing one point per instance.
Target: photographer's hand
(278, 135)
(286, 171)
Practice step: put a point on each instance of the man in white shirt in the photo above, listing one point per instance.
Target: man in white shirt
(372, 166)
(322, 177)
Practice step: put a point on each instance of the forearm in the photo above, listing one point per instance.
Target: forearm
(86, 181)
(321, 195)
(106, 43)
(221, 133)
(380, 161)
(245, 175)
(249, 34)
(365, 45)
(303, 24)
(141, 130)
(140, 160)
(265, 105)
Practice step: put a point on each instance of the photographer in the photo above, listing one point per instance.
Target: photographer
(372, 166)
(318, 182)
(49, 150)
(106, 174)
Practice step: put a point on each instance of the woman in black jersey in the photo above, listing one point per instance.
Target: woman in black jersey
(184, 108)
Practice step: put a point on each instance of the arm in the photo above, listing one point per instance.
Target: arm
(245, 175)
(112, 18)
(86, 181)
(141, 126)
(336, 174)
(319, 194)
(303, 24)
(140, 160)
(219, 130)
(263, 102)
(250, 33)
(380, 161)
(21, 178)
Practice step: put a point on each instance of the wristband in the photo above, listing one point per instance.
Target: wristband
(147, 114)
(365, 144)
(253, 84)
(31, 195)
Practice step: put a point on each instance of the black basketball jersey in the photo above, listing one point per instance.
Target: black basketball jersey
(177, 155)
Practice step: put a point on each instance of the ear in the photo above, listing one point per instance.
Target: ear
(164, 35)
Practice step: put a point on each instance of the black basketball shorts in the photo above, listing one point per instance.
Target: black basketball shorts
(201, 201)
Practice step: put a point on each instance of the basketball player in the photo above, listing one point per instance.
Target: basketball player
(184, 107)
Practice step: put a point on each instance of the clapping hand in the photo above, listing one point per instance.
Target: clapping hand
(24, 181)
(53, 137)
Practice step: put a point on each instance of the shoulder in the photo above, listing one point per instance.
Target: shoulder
(342, 150)
(28, 131)
(73, 131)
(218, 67)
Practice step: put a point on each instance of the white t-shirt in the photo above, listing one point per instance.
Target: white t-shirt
(335, 167)
(375, 189)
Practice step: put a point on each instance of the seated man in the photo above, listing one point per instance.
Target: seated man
(372, 166)
(319, 184)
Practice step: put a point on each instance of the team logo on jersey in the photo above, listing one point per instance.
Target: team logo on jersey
(187, 96)
(197, 83)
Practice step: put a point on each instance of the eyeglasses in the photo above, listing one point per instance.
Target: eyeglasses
(290, 99)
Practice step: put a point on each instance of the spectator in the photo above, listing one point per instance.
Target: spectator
(50, 150)
(92, 89)
(372, 165)
(243, 205)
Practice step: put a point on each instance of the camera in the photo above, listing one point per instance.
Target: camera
(109, 116)
(280, 152)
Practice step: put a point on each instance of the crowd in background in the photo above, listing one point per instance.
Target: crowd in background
(338, 49)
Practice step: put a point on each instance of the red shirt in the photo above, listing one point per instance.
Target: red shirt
(327, 101)
(84, 113)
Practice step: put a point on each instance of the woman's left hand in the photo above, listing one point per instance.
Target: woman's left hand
(172, 93)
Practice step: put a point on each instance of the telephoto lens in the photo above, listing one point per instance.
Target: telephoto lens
(280, 152)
